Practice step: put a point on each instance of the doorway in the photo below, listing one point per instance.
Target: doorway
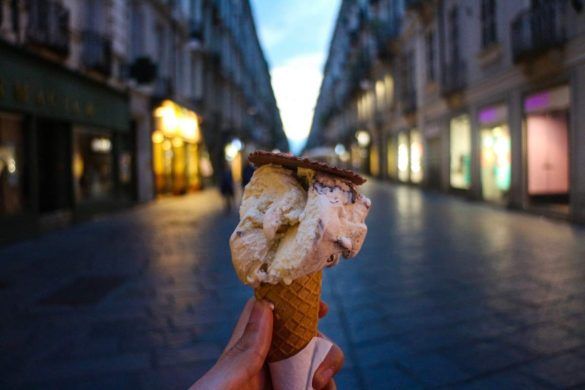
(495, 163)
(54, 166)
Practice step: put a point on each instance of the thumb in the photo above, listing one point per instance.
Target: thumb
(250, 351)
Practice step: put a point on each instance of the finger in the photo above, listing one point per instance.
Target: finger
(331, 385)
(250, 351)
(328, 368)
(240, 325)
(323, 309)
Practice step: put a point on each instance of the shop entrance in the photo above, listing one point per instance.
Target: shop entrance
(495, 163)
(548, 158)
(54, 166)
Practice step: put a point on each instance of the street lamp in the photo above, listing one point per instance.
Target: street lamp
(232, 149)
(363, 138)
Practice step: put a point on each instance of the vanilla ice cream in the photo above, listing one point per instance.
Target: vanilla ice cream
(294, 223)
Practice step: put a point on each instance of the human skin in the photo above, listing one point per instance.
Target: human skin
(243, 365)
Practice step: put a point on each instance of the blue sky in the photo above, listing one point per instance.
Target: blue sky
(295, 37)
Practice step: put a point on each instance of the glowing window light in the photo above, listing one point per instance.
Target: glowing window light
(11, 166)
(363, 138)
(232, 149)
(158, 137)
(101, 145)
(340, 149)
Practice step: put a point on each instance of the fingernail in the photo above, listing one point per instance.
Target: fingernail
(323, 377)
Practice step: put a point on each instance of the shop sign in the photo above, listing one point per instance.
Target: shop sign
(493, 115)
(549, 100)
(32, 85)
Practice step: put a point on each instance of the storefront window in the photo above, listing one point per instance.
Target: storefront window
(495, 152)
(495, 163)
(11, 160)
(374, 161)
(175, 144)
(403, 157)
(416, 157)
(93, 164)
(460, 152)
(547, 134)
(391, 157)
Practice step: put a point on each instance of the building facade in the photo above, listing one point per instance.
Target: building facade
(478, 98)
(107, 102)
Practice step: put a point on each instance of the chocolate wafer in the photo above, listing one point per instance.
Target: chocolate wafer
(261, 157)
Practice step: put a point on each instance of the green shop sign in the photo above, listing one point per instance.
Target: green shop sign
(33, 85)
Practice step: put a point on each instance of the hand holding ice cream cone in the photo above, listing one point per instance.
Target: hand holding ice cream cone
(297, 217)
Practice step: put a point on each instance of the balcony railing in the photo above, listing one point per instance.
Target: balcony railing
(454, 77)
(48, 26)
(537, 30)
(97, 52)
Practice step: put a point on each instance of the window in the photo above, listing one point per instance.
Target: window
(11, 165)
(93, 164)
(430, 52)
(488, 23)
(454, 34)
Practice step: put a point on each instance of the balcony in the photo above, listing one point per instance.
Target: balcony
(143, 70)
(539, 29)
(96, 52)
(48, 26)
(454, 77)
(385, 32)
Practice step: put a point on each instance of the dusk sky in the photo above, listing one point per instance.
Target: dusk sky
(295, 37)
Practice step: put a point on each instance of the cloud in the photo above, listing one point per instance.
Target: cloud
(296, 85)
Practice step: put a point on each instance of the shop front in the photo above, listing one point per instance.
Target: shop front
(65, 144)
(460, 153)
(176, 149)
(434, 149)
(547, 147)
(403, 157)
(416, 156)
(391, 157)
(496, 153)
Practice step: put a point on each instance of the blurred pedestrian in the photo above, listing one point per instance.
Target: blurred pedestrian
(227, 188)
(247, 173)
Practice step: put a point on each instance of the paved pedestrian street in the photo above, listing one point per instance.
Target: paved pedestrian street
(445, 293)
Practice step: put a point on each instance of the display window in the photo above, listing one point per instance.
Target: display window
(391, 157)
(403, 158)
(93, 163)
(175, 148)
(548, 154)
(374, 161)
(460, 153)
(11, 164)
(495, 163)
(416, 156)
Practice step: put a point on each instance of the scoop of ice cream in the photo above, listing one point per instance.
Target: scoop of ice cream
(287, 231)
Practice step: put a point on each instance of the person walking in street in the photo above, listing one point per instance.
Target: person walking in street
(227, 188)
(247, 173)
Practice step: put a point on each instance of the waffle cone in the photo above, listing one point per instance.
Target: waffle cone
(296, 314)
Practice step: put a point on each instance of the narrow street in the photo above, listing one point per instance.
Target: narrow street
(444, 292)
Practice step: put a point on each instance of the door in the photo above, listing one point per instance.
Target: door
(54, 166)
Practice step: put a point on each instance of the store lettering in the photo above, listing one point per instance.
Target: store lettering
(23, 93)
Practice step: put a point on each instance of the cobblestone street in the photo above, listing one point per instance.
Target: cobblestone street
(445, 292)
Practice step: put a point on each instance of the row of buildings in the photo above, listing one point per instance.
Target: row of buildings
(108, 102)
(482, 98)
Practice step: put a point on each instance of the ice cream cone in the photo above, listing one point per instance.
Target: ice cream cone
(296, 311)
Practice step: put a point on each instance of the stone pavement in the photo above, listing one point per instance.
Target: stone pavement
(445, 293)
